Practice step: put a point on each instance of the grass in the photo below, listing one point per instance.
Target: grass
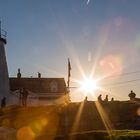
(104, 135)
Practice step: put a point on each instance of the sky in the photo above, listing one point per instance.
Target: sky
(101, 37)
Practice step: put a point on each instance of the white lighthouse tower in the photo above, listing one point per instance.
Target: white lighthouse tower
(4, 78)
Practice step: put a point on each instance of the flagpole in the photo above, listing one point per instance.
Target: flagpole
(68, 83)
(66, 107)
(69, 74)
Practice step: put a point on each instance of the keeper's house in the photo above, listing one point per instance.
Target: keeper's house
(46, 90)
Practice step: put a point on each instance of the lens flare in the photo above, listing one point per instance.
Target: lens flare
(88, 85)
(38, 125)
(88, 2)
(138, 111)
(77, 118)
(25, 133)
(111, 65)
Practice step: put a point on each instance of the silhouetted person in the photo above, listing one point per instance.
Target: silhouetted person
(132, 95)
(3, 102)
(85, 98)
(20, 91)
(106, 98)
(112, 99)
(24, 94)
(100, 98)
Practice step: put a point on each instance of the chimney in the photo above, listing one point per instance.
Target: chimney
(39, 75)
(19, 74)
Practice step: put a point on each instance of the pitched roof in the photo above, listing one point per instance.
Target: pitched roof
(39, 85)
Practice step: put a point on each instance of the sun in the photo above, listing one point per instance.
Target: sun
(88, 85)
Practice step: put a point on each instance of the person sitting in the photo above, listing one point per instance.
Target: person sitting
(106, 98)
(112, 99)
(100, 98)
(132, 95)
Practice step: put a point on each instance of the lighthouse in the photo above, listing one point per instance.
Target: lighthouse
(4, 78)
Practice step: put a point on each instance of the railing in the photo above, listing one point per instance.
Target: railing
(3, 34)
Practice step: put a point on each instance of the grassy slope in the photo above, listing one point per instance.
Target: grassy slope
(104, 135)
(18, 117)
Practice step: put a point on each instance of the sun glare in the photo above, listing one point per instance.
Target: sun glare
(88, 85)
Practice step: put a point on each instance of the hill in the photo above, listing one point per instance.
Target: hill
(76, 118)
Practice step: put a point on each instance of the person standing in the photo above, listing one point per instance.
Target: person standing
(24, 95)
